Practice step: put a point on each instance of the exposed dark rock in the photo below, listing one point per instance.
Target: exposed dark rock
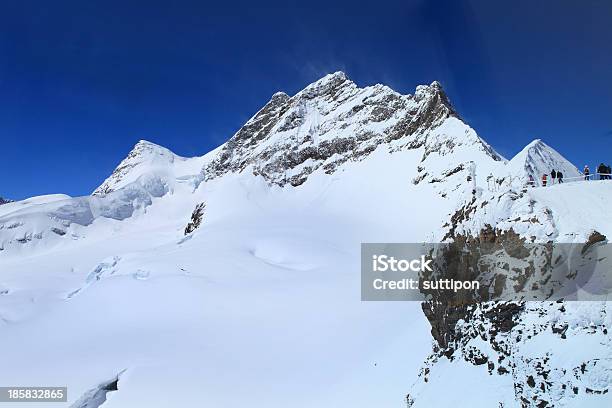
(435, 108)
(58, 231)
(456, 320)
(560, 329)
(530, 381)
(503, 315)
(594, 238)
(96, 397)
(196, 218)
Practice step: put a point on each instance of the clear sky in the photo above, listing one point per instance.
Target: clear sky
(82, 81)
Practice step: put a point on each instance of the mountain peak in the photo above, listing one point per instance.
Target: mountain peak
(145, 145)
(538, 158)
(143, 142)
(436, 84)
(330, 84)
(279, 96)
(435, 92)
(535, 143)
(332, 121)
(143, 157)
(337, 76)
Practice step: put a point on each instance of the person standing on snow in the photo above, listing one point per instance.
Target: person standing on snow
(586, 172)
(543, 180)
(559, 177)
(601, 169)
(553, 175)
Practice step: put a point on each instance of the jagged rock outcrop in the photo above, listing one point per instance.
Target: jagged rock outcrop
(5, 201)
(332, 121)
(502, 339)
(519, 340)
(196, 218)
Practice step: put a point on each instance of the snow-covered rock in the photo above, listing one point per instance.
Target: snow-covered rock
(549, 353)
(333, 121)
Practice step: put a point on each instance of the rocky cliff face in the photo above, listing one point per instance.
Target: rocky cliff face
(526, 343)
(332, 121)
(536, 346)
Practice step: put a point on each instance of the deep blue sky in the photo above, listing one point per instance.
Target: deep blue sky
(82, 81)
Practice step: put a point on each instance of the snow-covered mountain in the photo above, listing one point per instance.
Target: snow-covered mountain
(147, 159)
(180, 280)
(537, 159)
(333, 121)
(4, 201)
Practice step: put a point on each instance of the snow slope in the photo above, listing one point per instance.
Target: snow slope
(256, 298)
(260, 305)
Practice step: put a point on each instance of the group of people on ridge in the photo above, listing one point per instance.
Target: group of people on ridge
(554, 175)
(604, 171)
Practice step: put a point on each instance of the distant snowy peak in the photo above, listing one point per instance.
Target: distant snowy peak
(333, 121)
(145, 157)
(537, 159)
(4, 201)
